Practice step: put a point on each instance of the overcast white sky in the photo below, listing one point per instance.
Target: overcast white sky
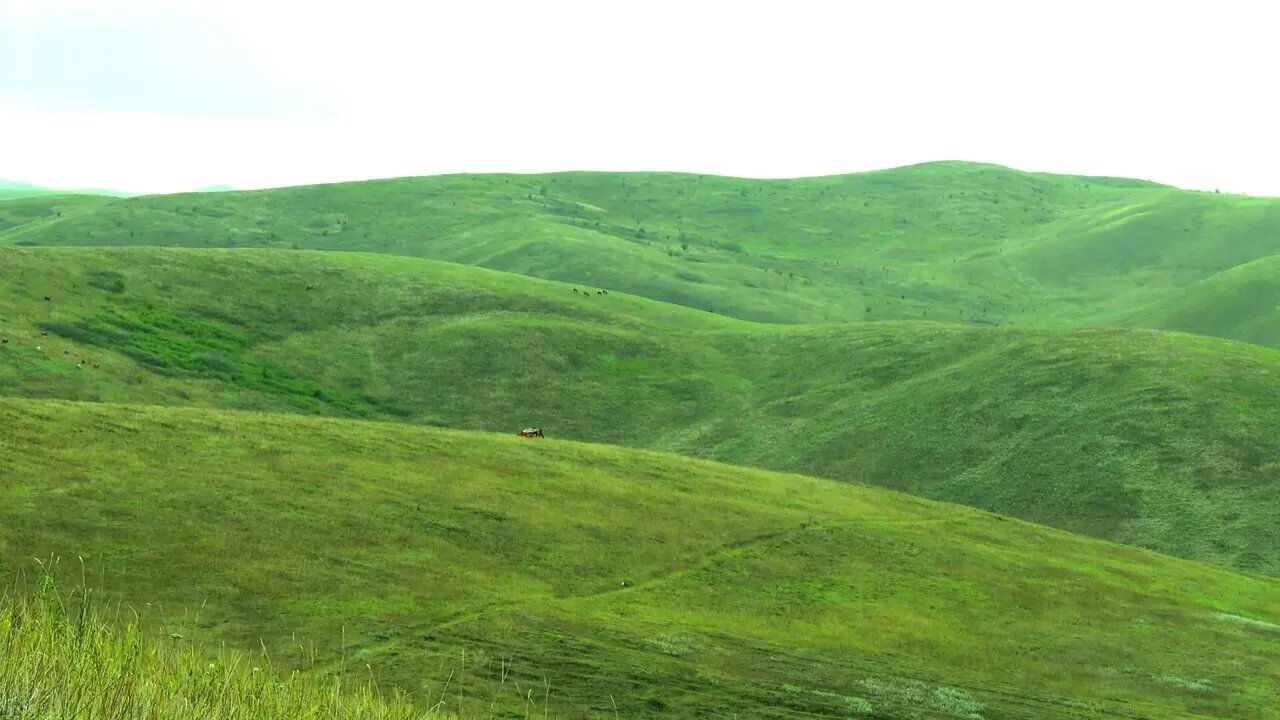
(166, 95)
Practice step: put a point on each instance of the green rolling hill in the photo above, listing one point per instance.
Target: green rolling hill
(597, 576)
(957, 242)
(1161, 440)
(1243, 302)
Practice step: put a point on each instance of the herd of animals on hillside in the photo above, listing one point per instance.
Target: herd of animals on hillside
(81, 362)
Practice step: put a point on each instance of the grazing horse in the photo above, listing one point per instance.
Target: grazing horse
(531, 432)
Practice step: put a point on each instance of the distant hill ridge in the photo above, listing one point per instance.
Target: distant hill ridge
(15, 190)
(948, 241)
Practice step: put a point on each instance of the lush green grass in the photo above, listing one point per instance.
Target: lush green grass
(1243, 303)
(1166, 441)
(61, 657)
(585, 573)
(957, 242)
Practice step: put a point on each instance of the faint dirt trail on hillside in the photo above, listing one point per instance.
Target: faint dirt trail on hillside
(730, 550)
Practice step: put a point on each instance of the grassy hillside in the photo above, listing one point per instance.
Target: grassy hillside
(62, 656)
(1243, 303)
(1165, 441)
(957, 242)
(593, 575)
(33, 213)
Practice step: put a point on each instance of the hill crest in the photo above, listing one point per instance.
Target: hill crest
(940, 241)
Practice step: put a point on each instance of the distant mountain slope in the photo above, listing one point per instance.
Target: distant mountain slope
(604, 577)
(1167, 441)
(957, 242)
(15, 190)
(17, 185)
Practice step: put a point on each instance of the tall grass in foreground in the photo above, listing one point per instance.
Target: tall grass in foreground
(63, 658)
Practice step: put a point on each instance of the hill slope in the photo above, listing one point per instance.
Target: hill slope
(1243, 302)
(671, 585)
(947, 241)
(1160, 440)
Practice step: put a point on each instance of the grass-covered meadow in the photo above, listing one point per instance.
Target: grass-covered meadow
(597, 575)
(1003, 445)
